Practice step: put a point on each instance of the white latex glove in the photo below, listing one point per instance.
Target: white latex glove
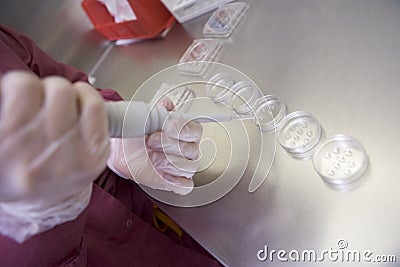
(165, 160)
(53, 143)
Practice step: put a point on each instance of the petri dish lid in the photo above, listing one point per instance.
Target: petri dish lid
(341, 159)
(180, 96)
(245, 94)
(225, 20)
(269, 111)
(219, 86)
(299, 134)
(198, 56)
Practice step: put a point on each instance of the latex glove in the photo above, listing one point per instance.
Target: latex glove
(165, 160)
(53, 143)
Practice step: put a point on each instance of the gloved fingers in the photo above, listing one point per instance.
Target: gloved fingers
(173, 165)
(60, 106)
(93, 117)
(178, 128)
(158, 180)
(178, 185)
(21, 100)
(189, 150)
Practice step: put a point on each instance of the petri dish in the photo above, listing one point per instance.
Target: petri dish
(197, 57)
(245, 95)
(221, 19)
(225, 20)
(219, 86)
(181, 96)
(341, 159)
(299, 134)
(198, 52)
(269, 111)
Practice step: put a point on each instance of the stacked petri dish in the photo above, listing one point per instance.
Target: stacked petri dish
(218, 87)
(240, 96)
(340, 160)
(244, 97)
(269, 112)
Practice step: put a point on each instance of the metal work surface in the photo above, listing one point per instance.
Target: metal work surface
(338, 60)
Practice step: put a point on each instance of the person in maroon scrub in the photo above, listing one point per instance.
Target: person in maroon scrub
(59, 203)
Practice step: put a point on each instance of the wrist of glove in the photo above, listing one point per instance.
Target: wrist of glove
(165, 160)
(23, 219)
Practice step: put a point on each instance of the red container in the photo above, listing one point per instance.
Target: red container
(152, 19)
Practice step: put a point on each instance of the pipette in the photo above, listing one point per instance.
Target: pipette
(136, 119)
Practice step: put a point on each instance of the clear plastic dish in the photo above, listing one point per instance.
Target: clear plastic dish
(219, 86)
(341, 159)
(269, 111)
(245, 94)
(180, 96)
(299, 134)
(198, 56)
(225, 20)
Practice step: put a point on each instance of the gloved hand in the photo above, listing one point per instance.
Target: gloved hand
(165, 160)
(53, 143)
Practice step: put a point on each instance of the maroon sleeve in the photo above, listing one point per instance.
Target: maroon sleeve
(28, 54)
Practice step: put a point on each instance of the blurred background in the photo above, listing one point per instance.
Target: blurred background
(61, 28)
